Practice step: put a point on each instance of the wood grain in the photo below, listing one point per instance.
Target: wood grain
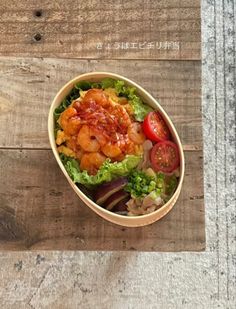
(39, 210)
(74, 28)
(27, 87)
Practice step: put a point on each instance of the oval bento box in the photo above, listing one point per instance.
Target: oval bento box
(128, 221)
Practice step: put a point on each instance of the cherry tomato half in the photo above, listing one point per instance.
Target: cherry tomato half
(165, 156)
(155, 128)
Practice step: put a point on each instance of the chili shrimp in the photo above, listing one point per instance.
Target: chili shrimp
(98, 96)
(117, 150)
(90, 139)
(111, 150)
(136, 134)
(91, 162)
(120, 113)
(69, 121)
(72, 144)
(118, 158)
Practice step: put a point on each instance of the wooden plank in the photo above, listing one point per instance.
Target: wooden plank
(27, 87)
(75, 29)
(39, 210)
(89, 5)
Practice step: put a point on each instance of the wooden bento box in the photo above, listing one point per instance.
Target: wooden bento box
(128, 221)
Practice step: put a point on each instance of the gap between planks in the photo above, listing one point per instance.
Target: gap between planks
(102, 58)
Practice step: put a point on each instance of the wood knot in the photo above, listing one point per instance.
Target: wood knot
(38, 13)
(37, 37)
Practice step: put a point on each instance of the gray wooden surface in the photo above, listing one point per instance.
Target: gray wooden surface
(156, 280)
(101, 29)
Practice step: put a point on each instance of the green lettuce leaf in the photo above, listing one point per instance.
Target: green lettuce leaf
(57, 112)
(140, 109)
(108, 83)
(106, 173)
(86, 85)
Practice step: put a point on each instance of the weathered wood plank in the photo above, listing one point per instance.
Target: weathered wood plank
(62, 5)
(27, 87)
(74, 28)
(39, 210)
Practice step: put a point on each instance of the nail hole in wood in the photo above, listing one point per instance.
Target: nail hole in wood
(38, 13)
(37, 37)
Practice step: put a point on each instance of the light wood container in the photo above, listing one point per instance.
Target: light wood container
(128, 221)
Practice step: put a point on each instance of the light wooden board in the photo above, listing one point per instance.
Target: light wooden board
(27, 87)
(76, 29)
(39, 210)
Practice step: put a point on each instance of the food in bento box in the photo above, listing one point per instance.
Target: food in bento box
(116, 147)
